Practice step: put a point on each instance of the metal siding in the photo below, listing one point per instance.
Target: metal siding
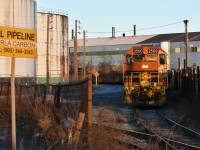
(57, 45)
(24, 17)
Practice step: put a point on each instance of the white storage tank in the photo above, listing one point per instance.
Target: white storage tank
(52, 47)
(21, 14)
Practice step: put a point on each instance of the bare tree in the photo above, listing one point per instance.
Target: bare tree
(119, 68)
(105, 65)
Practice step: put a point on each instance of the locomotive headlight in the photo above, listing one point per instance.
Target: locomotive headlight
(145, 66)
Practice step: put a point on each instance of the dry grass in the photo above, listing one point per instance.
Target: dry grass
(102, 138)
(45, 119)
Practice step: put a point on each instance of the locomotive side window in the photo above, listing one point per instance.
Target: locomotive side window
(162, 58)
(129, 59)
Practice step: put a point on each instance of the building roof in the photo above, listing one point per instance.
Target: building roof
(138, 39)
(173, 37)
(108, 41)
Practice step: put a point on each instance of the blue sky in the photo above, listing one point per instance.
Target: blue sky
(100, 16)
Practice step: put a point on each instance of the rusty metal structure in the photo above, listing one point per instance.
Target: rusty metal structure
(52, 60)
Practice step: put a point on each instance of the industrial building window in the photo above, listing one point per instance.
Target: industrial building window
(177, 50)
(193, 49)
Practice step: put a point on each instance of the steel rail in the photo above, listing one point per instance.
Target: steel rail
(147, 136)
(168, 141)
(185, 128)
(183, 144)
(158, 136)
(127, 132)
(129, 145)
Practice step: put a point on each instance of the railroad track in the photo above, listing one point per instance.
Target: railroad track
(169, 133)
(129, 139)
(121, 122)
(134, 137)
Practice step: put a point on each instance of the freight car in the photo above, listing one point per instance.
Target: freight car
(145, 76)
(116, 78)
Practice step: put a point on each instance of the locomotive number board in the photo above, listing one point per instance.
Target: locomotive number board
(152, 51)
(138, 51)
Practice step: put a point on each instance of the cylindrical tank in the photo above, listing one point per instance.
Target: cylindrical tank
(52, 60)
(20, 14)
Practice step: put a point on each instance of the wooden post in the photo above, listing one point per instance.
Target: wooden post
(123, 71)
(186, 43)
(8, 93)
(189, 70)
(79, 125)
(89, 99)
(89, 106)
(13, 119)
(84, 49)
(96, 80)
(198, 72)
(13, 103)
(75, 54)
(185, 68)
(20, 100)
(47, 52)
(179, 70)
(193, 85)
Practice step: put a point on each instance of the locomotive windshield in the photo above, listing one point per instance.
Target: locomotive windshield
(138, 57)
(151, 57)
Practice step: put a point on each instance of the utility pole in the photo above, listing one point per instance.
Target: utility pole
(84, 49)
(47, 52)
(67, 53)
(63, 52)
(75, 54)
(186, 43)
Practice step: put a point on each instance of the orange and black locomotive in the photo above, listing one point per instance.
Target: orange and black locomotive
(145, 75)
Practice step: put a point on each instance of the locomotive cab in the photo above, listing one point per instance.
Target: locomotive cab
(145, 75)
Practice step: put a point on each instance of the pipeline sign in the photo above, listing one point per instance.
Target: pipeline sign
(17, 42)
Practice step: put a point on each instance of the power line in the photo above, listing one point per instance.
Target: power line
(160, 26)
(138, 29)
